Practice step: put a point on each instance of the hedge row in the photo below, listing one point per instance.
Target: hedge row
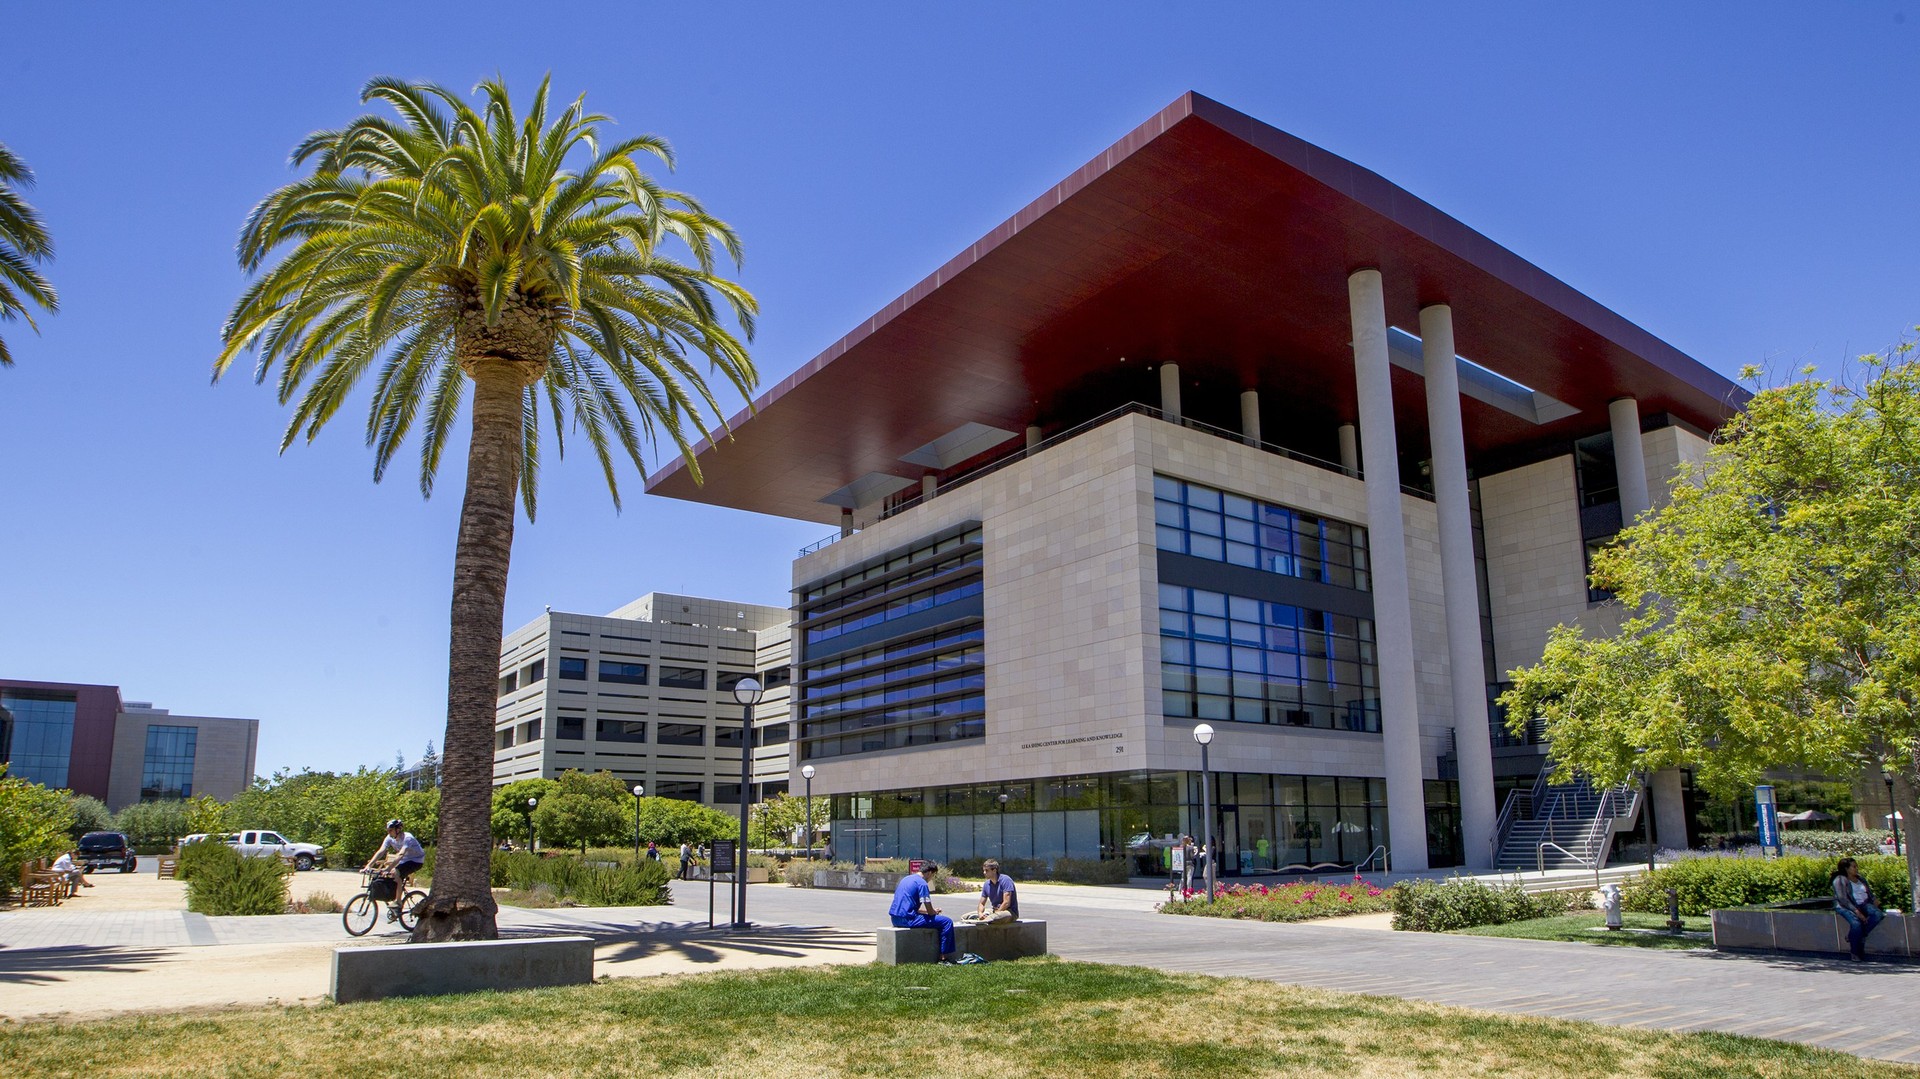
(1297, 902)
(593, 884)
(1707, 883)
(1436, 906)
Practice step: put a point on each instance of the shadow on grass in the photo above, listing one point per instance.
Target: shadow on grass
(38, 966)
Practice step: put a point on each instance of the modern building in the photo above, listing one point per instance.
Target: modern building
(84, 739)
(1222, 430)
(646, 693)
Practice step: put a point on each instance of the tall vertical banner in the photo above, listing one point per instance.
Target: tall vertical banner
(1767, 822)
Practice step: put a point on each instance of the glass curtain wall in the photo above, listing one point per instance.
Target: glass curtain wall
(40, 738)
(1263, 823)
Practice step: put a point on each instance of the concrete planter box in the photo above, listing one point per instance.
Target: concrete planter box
(1821, 932)
(755, 874)
(855, 880)
(1002, 940)
(418, 970)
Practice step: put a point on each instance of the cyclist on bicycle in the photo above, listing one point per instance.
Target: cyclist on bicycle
(407, 858)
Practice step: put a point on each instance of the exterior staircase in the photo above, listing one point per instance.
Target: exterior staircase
(1563, 826)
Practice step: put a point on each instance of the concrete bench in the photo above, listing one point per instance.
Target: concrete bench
(1820, 931)
(1003, 940)
(419, 970)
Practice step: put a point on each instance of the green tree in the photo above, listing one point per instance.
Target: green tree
(529, 258)
(509, 806)
(574, 819)
(778, 820)
(90, 814)
(34, 823)
(1773, 605)
(205, 814)
(23, 244)
(672, 821)
(152, 825)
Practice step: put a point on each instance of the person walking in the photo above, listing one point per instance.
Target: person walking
(686, 859)
(1853, 899)
(1188, 854)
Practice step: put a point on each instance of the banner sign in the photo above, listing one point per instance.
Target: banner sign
(1766, 820)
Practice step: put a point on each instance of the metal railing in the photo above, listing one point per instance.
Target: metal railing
(1386, 859)
(1592, 864)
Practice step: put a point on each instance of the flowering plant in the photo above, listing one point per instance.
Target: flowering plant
(1298, 901)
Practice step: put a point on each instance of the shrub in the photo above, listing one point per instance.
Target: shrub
(612, 881)
(153, 825)
(90, 814)
(639, 885)
(225, 883)
(34, 823)
(1436, 906)
(1848, 844)
(1706, 882)
(195, 855)
(1297, 902)
(317, 903)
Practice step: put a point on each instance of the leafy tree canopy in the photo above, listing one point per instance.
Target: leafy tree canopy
(1774, 603)
(90, 814)
(34, 823)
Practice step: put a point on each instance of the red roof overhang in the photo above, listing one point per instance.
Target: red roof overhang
(1211, 239)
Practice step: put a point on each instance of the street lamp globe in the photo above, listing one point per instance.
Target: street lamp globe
(531, 802)
(1203, 734)
(639, 789)
(748, 691)
(807, 772)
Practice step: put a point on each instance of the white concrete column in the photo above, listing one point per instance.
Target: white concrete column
(1033, 435)
(1466, 662)
(846, 522)
(1387, 548)
(1349, 449)
(1629, 459)
(929, 485)
(1669, 810)
(1250, 417)
(1170, 391)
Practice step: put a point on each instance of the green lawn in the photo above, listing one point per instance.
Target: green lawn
(1580, 926)
(1027, 1018)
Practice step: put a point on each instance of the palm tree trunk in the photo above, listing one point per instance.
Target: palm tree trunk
(461, 905)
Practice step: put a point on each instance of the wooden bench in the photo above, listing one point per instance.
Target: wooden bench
(38, 885)
(169, 866)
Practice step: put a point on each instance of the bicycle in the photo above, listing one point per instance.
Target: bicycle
(362, 912)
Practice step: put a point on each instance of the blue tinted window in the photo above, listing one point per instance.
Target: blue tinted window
(39, 735)
(167, 772)
(1206, 523)
(1229, 657)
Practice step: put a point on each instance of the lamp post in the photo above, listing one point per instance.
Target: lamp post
(1893, 811)
(531, 802)
(748, 692)
(1003, 824)
(806, 773)
(639, 789)
(1203, 734)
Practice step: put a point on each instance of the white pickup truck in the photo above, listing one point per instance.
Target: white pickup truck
(258, 844)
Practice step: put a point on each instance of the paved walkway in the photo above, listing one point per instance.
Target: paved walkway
(65, 960)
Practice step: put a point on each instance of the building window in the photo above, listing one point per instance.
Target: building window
(570, 729)
(573, 668)
(506, 683)
(1232, 658)
(503, 739)
(775, 677)
(1594, 473)
(1223, 527)
(619, 730)
(683, 677)
(685, 792)
(530, 731)
(168, 770)
(1595, 594)
(533, 672)
(633, 674)
(724, 681)
(726, 736)
(773, 734)
(40, 735)
(682, 734)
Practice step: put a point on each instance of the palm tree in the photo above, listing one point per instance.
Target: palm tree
(528, 258)
(23, 242)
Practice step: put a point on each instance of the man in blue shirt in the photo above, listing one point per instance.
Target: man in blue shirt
(913, 907)
(998, 902)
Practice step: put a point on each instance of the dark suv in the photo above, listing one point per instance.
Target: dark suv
(101, 850)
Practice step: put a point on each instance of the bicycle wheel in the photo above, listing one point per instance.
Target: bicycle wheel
(410, 909)
(362, 914)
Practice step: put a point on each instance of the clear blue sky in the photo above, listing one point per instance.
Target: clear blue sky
(1737, 178)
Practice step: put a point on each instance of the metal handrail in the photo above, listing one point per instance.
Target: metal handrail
(1386, 859)
(1590, 863)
